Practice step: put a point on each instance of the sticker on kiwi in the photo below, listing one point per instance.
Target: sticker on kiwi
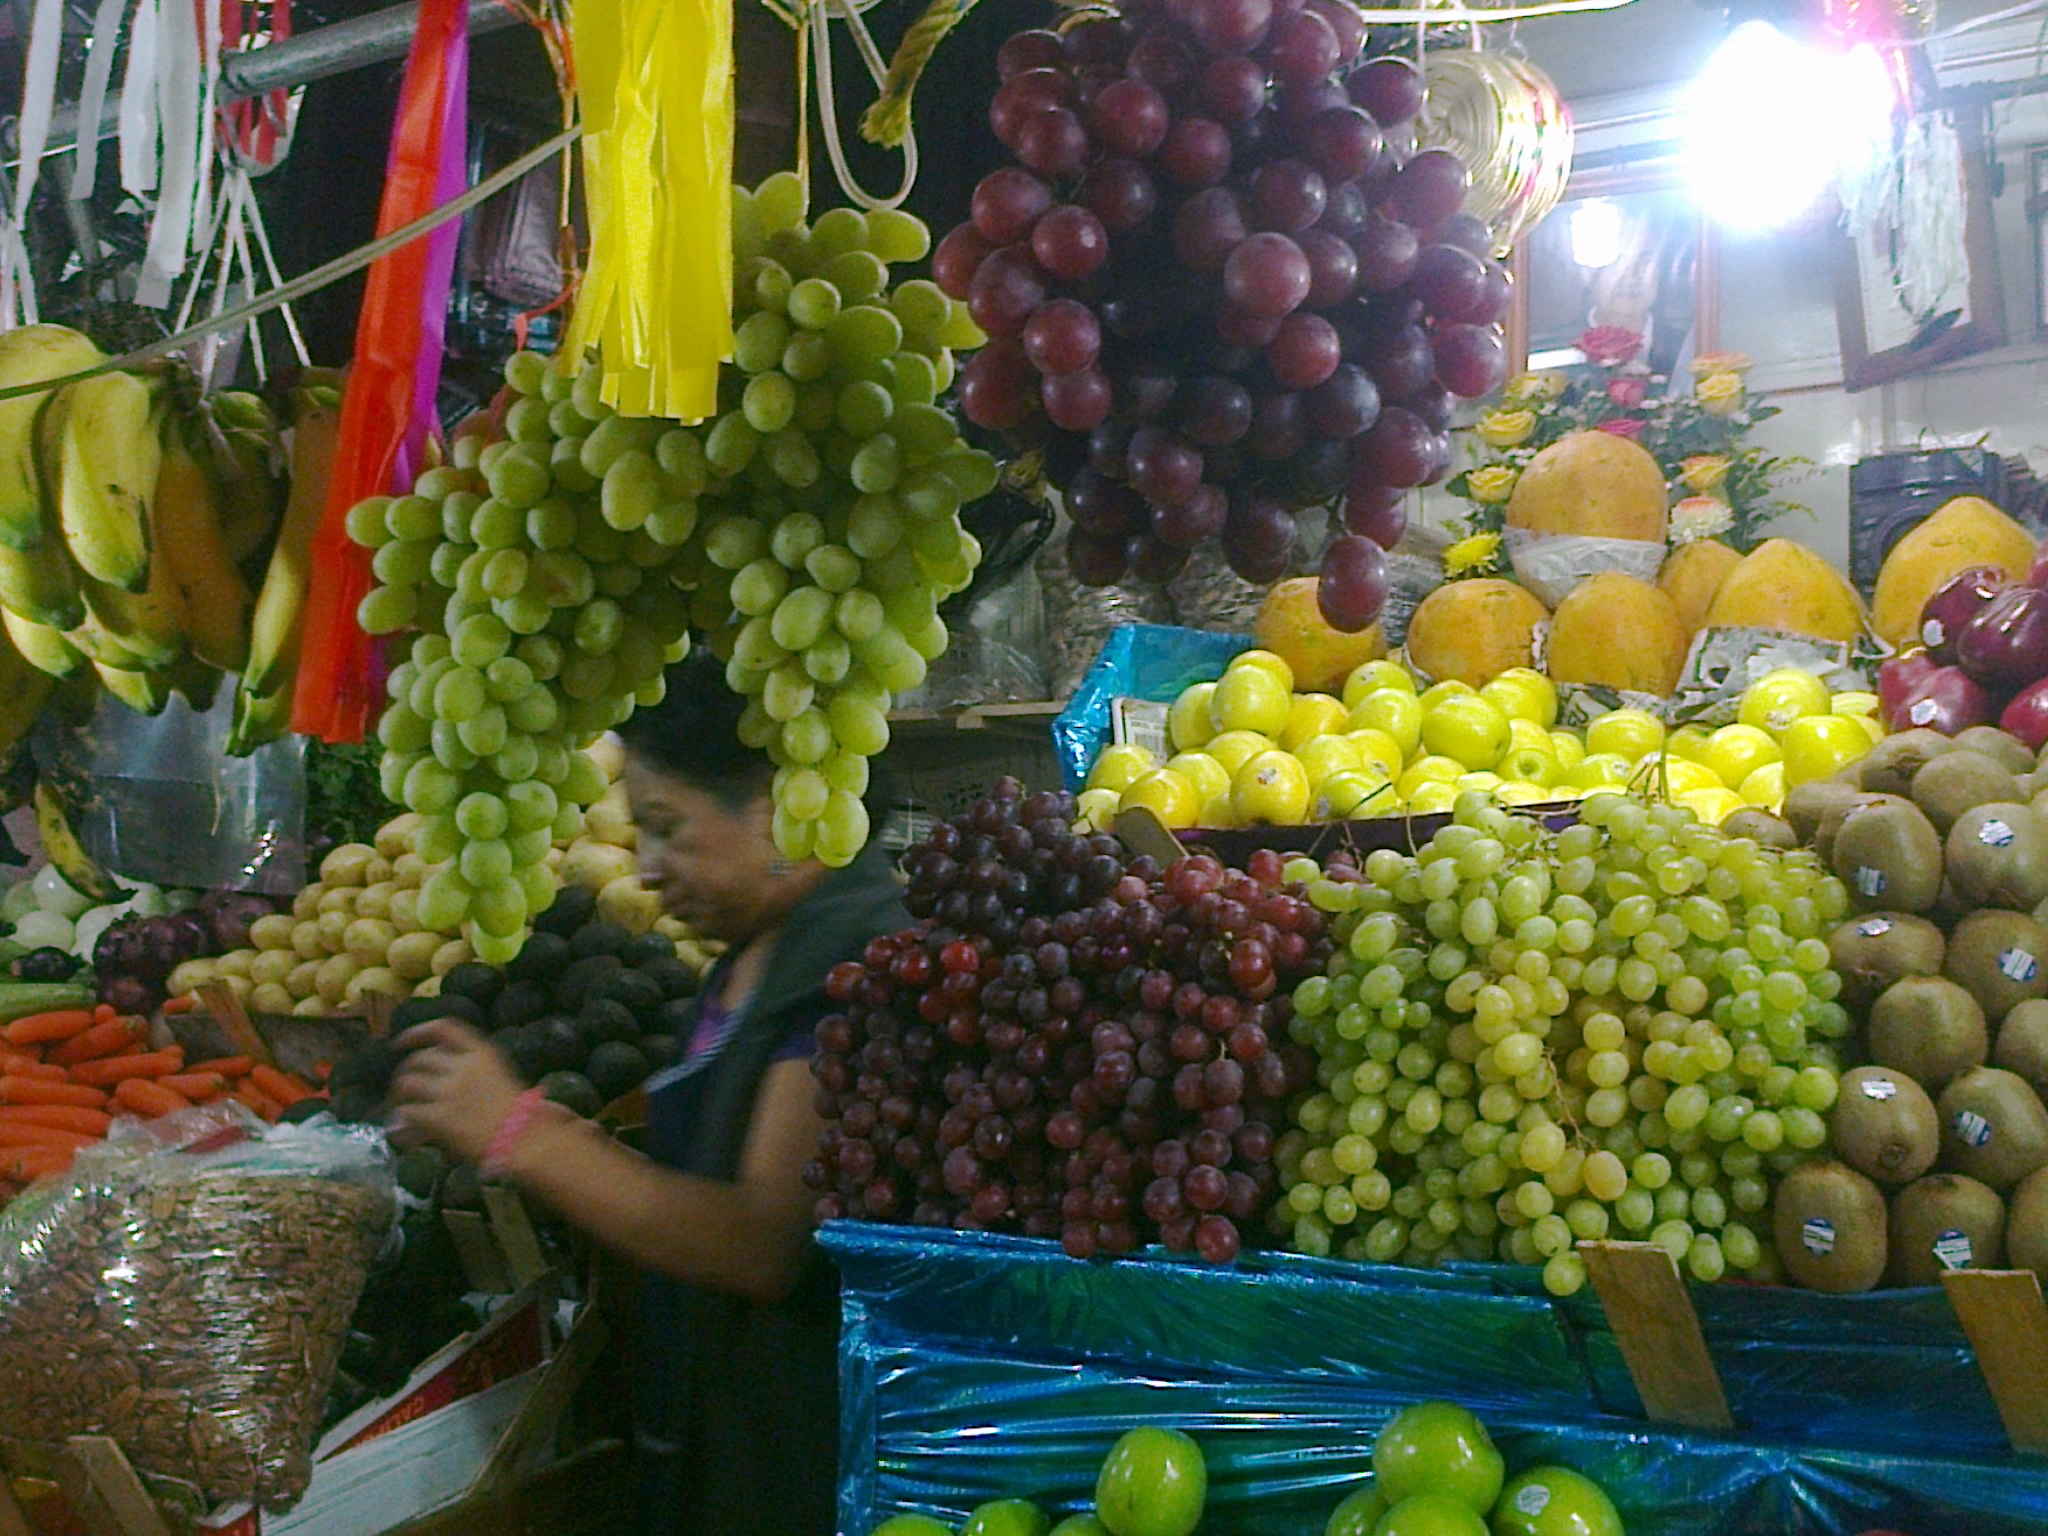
(1879, 1088)
(1874, 927)
(1868, 881)
(1817, 1235)
(2018, 965)
(1995, 834)
(1972, 1129)
(1953, 1249)
(1533, 1499)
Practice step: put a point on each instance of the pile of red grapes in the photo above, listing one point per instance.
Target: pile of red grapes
(1217, 294)
(1071, 1042)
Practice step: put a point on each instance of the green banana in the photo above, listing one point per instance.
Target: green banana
(41, 584)
(279, 621)
(99, 453)
(259, 718)
(23, 691)
(29, 355)
(144, 692)
(78, 867)
(42, 647)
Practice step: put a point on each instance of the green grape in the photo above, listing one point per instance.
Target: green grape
(758, 341)
(769, 402)
(505, 574)
(459, 695)
(813, 303)
(896, 236)
(599, 624)
(368, 523)
(526, 372)
(863, 408)
(386, 610)
(631, 491)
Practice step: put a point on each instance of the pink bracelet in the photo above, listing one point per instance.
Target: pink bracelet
(510, 1129)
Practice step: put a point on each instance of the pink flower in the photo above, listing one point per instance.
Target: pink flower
(1628, 391)
(1623, 427)
(1610, 345)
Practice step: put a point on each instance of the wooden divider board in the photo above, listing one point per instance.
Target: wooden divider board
(12, 1521)
(104, 1492)
(2007, 1323)
(1659, 1333)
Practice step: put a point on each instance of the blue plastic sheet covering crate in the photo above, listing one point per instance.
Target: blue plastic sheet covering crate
(976, 1367)
(1138, 661)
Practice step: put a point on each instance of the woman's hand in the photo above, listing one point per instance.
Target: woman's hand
(454, 1088)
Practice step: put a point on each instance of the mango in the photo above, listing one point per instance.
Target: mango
(1692, 574)
(1474, 630)
(1292, 627)
(1618, 632)
(1592, 484)
(1965, 532)
(1785, 586)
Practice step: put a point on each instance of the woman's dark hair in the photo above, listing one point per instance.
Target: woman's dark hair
(693, 734)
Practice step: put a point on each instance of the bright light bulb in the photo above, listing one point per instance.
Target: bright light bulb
(1760, 137)
(1596, 234)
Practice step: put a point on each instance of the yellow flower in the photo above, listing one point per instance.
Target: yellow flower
(1476, 555)
(1703, 473)
(1523, 388)
(1700, 517)
(1720, 362)
(1494, 483)
(1720, 394)
(1506, 429)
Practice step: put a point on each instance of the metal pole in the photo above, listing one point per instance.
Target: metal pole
(316, 55)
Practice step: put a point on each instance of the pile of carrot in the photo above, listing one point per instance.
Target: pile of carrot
(67, 1075)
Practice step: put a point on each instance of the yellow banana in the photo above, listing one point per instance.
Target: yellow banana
(186, 533)
(23, 692)
(46, 649)
(145, 692)
(41, 584)
(259, 718)
(279, 622)
(77, 866)
(30, 355)
(148, 625)
(99, 454)
(243, 450)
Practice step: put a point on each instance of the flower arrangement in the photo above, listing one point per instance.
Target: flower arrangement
(1721, 486)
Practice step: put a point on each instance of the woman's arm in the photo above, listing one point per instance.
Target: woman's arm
(747, 1238)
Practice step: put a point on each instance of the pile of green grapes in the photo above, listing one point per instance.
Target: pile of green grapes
(1531, 1038)
(835, 519)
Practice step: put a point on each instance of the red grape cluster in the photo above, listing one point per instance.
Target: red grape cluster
(1071, 1042)
(1217, 294)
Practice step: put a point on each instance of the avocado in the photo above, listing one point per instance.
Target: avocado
(304, 1110)
(673, 975)
(641, 995)
(647, 949)
(520, 1003)
(463, 1189)
(573, 1091)
(615, 1068)
(521, 1045)
(678, 1018)
(420, 1170)
(559, 1046)
(659, 1050)
(540, 960)
(356, 1106)
(423, 1010)
(460, 1008)
(571, 909)
(600, 939)
(583, 980)
(474, 980)
(606, 1019)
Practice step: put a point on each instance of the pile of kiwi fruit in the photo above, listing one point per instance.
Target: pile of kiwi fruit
(1940, 1142)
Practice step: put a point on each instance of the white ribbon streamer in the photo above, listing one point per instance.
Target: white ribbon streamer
(38, 102)
(92, 95)
(179, 67)
(138, 104)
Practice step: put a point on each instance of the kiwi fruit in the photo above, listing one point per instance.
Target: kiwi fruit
(1928, 1028)
(1874, 952)
(1993, 1126)
(2026, 1225)
(1830, 1227)
(1831, 818)
(1999, 958)
(1956, 781)
(2000, 746)
(1944, 1221)
(2023, 1044)
(1760, 826)
(1949, 908)
(1889, 855)
(1884, 1125)
(1997, 856)
(1806, 804)
(1888, 768)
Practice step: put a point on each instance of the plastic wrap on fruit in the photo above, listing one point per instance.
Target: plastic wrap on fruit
(1551, 564)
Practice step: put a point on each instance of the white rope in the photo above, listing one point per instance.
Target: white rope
(871, 56)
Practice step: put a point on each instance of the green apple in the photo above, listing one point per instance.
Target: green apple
(1431, 1514)
(1007, 1517)
(1437, 1448)
(1080, 1525)
(1554, 1501)
(1359, 1514)
(912, 1525)
(1153, 1483)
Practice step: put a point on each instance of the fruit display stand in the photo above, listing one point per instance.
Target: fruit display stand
(978, 1367)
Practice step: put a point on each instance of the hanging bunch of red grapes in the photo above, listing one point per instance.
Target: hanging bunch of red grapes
(1218, 293)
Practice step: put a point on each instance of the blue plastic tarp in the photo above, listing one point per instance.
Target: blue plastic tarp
(1153, 662)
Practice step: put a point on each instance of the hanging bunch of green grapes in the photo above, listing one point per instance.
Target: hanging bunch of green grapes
(538, 584)
(833, 518)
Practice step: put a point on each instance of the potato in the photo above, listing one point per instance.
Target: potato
(334, 976)
(409, 871)
(272, 965)
(609, 753)
(431, 987)
(397, 835)
(376, 899)
(376, 871)
(630, 904)
(235, 962)
(304, 978)
(375, 978)
(306, 904)
(367, 939)
(595, 865)
(272, 932)
(411, 955)
(339, 898)
(241, 986)
(610, 820)
(190, 977)
(311, 1008)
(333, 927)
(553, 860)
(347, 864)
(306, 941)
(451, 954)
(271, 997)
(404, 914)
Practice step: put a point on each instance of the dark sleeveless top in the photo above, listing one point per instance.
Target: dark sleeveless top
(737, 1401)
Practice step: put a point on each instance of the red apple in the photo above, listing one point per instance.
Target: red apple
(1957, 601)
(1947, 700)
(2027, 715)
(1898, 677)
(2006, 644)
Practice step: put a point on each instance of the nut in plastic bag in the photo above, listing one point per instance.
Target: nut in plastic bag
(185, 1290)
(1551, 564)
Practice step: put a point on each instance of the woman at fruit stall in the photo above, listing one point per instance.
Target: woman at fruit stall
(736, 1368)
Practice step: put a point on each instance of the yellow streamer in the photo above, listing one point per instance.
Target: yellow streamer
(654, 80)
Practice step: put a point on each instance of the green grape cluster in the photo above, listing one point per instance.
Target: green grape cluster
(1527, 1039)
(539, 584)
(833, 521)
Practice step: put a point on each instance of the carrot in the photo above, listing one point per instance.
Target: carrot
(102, 1012)
(226, 1066)
(196, 1086)
(27, 1066)
(281, 1086)
(110, 1070)
(107, 1038)
(58, 1117)
(173, 1006)
(27, 1164)
(35, 1090)
(148, 1098)
(43, 1028)
(255, 1099)
(13, 1135)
